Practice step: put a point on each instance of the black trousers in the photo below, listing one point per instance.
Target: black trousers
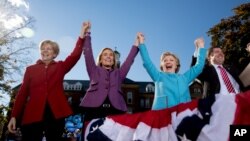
(50, 127)
(104, 110)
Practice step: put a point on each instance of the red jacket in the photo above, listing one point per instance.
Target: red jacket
(41, 85)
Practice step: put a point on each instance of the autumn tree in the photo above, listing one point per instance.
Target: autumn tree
(15, 28)
(232, 34)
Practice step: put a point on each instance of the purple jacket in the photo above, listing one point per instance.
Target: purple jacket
(105, 83)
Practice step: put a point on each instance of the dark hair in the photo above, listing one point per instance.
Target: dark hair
(210, 51)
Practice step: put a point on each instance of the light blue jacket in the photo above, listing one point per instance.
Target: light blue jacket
(171, 88)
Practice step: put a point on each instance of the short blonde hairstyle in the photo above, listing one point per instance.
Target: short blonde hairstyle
(54, 45)
(98, 63)
(175, 57)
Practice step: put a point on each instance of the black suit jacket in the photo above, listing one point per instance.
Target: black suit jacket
(210, 76)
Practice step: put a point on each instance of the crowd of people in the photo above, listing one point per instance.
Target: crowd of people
(41, 106)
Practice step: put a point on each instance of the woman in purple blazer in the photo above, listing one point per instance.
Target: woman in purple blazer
(104, 96)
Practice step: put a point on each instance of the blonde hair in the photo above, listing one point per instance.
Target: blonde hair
(54, 45)
(175, 57)
(98, 63)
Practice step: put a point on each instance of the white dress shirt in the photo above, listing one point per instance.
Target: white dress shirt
(223, 88)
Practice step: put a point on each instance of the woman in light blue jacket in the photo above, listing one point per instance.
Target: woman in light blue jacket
(171, 88)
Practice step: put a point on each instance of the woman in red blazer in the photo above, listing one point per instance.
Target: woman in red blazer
(40, 103)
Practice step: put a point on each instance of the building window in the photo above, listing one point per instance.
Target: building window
(147, 103)
(71, 87)
(70, 100)
(130, 110)
(67, 88)
(129, 97)
(65, 85)
(150, 88)
(78, 86)
(142, 103)
(197, 90)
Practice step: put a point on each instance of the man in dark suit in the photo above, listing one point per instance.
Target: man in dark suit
(218, 79)
(213, 79)
(211, 73)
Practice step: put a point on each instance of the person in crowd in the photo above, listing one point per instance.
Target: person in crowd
(104, 95)
(40, 104)
(243, 62)
(171, 88)
(248, 47)
(217, 78)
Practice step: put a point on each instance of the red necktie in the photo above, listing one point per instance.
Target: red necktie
(226, 80)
